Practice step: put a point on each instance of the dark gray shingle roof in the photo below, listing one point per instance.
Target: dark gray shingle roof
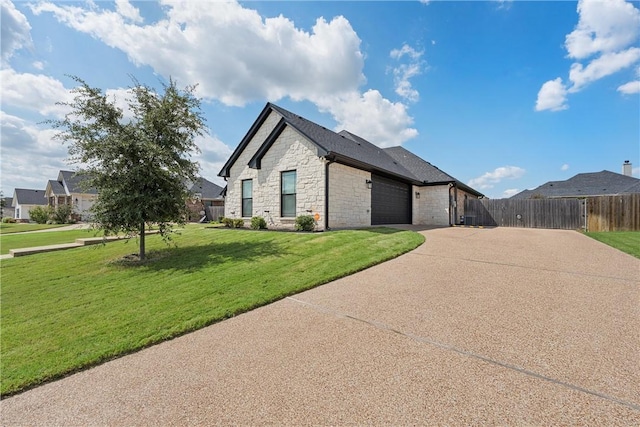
(349, 148)
(603, 183)
(25, 196)
(343, 147)
(207, 189)
(423, 170)
(57, 188)
(73, 183)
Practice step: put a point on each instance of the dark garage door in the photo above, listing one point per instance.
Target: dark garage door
(390, 201)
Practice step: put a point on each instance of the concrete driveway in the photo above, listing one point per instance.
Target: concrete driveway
(477, 326)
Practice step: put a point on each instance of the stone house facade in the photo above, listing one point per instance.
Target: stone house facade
(287, 166)
(68, 190)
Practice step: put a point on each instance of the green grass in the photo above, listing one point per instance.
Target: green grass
(65, 311)
(626, 241)
(29, 240)
(6, 228)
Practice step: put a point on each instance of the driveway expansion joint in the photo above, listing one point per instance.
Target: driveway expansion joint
(470, 354)
(549, 270)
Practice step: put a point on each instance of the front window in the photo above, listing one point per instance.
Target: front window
(288, 194)
(247, 197)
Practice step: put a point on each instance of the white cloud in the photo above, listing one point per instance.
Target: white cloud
(603, 26)
(510, 192)
(128, 11)
(35, 92)
(236, 56)
(370, 116)
(15, 31)
(405, 50)
(605, 65)
(504, 4)
(552, 96)
(25, 145)
(403, 72)
(630, 88)
(489, 179)
(604, 32)
(213, 155)
(564, 167)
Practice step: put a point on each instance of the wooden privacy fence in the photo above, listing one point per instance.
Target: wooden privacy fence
(613, 213)
(214, 212)
(527, 213)
(601, 213)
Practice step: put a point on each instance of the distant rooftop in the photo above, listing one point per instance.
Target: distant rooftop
(605, 183)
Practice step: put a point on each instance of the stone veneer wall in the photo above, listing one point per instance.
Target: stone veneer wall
(84, 204)
(433, 206)
(291, 151)
(349, 197)
(239, 170)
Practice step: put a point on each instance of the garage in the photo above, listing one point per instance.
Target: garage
(390, 201)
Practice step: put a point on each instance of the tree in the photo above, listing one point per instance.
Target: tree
(138, 164)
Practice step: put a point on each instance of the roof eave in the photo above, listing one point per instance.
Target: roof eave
(225, 171)
(348, 161)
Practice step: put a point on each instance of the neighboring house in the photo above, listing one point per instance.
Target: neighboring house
(24, 200)
(288, 166)
(8, 211)
(66, 190)
(603, 183)
(207, 197)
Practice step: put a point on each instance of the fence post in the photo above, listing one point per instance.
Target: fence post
(585, 215)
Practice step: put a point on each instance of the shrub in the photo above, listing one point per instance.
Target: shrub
(40, 214)
(305, 223)
(232, 223)
(8, 220)
(258, 223)
(62, 214)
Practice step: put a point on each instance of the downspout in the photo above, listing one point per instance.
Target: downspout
(326, 194)
(455, 203)
(450, 204)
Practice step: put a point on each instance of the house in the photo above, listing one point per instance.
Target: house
(603, 183)
(67, 190)
(206, 197)
(6, 208)
(287, 166)
(26, 199)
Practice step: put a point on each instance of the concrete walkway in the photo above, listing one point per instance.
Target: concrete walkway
(476, 327)
(63, 246)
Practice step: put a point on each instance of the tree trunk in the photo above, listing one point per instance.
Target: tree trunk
(142, 248)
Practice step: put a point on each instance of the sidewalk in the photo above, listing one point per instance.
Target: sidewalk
(13, 253)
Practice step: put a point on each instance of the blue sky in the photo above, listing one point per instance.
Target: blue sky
(503, 95)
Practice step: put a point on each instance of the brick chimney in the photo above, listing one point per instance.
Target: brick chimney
(626, 168)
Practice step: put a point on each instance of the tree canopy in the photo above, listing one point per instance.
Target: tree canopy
(138, 162)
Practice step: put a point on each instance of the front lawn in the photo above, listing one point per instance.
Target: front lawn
(30, 240)
(65, 311)
(17, 227)
(626, 241)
